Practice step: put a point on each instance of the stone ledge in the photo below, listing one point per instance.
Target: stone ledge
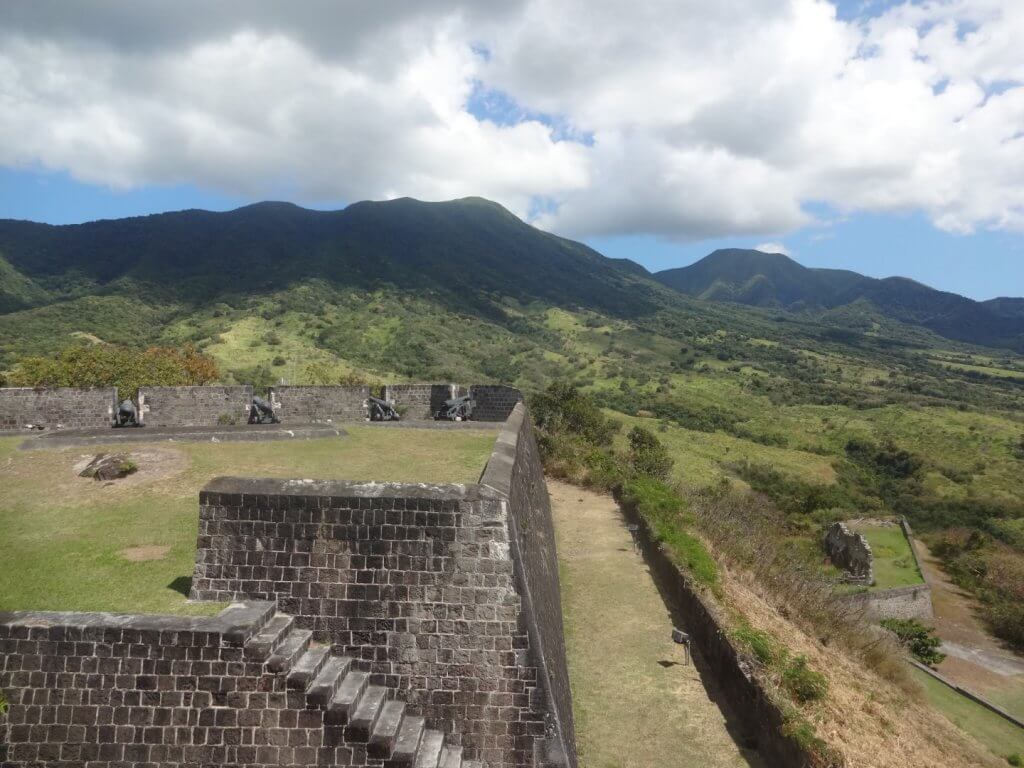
(236, 623)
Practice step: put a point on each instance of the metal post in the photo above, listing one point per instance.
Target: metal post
(634, 531)
(681, 638)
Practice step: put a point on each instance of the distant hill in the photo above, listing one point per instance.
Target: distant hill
(457, 249)
(775, 280)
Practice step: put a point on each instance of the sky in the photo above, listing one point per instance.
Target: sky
(880, 136)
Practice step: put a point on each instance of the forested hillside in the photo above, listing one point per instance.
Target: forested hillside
(842, 411)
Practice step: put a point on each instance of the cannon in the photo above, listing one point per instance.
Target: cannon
(127, 415)
(382, 410)
(262, 412)
(456, 409)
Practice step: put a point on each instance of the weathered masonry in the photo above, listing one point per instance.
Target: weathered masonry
(374, 624)
(57, 408)
(194, 406)
(217, 405)
(321, 405)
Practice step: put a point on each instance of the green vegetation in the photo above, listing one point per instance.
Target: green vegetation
(920, 640)
(893, 563)
(67, 539)
(104, 365)
(999, 735)
(831, 408)
(803, 683)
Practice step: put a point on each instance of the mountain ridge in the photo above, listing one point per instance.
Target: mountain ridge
(774, 280)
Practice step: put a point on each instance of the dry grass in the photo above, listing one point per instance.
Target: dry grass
(870, 721)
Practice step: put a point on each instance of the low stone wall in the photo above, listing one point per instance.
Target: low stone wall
(913, 602)
(494, 402)
(109, 691)
(194, 406)
(321, 405)
(418, 401)
(850, 551)
(56, 408)
(761, 719)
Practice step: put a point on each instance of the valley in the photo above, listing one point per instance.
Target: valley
(830, 410)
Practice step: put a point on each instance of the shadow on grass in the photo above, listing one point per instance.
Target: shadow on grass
(182, 585)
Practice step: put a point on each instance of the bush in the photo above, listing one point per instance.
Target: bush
(647, 456)
(918, 639)
(278, 361)
(127, 368)
(1015, 759)
(562, 408)
(802, 682)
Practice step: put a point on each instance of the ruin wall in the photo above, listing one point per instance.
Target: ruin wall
(194, 406)
(849, 551)
(321, 404)
(913, 602)
(56, 407)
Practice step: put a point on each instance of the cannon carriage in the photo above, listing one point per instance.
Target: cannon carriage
(456, 409)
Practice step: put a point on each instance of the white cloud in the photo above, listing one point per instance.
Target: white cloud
(700, 119)
(773, 248)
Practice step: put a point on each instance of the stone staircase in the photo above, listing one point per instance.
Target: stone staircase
(368, 713)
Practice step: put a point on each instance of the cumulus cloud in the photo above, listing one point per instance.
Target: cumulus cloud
(678, 118)
(773, 248)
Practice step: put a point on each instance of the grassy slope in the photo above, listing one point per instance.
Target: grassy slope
(64, 535)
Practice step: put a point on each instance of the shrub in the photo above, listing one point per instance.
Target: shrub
(918, 639)
(647, 455)
(802, 682)
(278, 361)
(562, 408)
(1015, 759)
(127, 368)
(128, 467)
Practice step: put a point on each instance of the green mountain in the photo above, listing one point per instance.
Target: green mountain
(774, 280)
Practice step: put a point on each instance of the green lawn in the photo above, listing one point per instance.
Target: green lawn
(1001, 736)
(893, 564)
(67, 541)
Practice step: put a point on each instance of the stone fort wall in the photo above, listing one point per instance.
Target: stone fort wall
(194, 406)
(69, 408)
(913, 602)
(419, 401)
(56, 408)
(446, 597)
(321, 405)
(428, 586)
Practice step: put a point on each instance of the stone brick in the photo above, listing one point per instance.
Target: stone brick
(195, 406)
(494, 402)
(321, 405)
(56, 408)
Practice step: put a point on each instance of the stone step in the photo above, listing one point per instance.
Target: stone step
(367, 711)
(261, 644)
(410, 733)
(385, 730)
(325, 685)
(451, 757)
(346, 700)
(308, 667)
(429, 753)
(289, 651)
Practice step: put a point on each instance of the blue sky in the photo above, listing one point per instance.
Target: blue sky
(859, 134)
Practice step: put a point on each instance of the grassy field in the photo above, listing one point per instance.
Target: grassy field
(71, 543)
(893, 564)
(635, 704)
(1001, 736)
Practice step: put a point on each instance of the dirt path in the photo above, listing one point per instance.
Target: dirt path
(636, 706)
(974, 658)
